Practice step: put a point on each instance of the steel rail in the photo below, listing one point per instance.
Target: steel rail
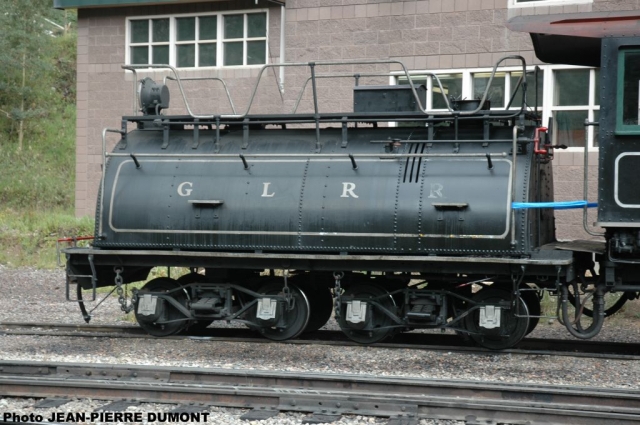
(335, 394)
(414, 341)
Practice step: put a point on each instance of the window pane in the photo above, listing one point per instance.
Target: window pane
(207, 54)
(161, 55)
(208, 28)
(140, 55)
(496, 91)
(572, 87)
(186, 55)
(234, 26)
(186, 29)
(452, 85)
(256, 52)
(257, 25)
(233, 53)
(140, 31)
(569, 127)
(631, 89)
(531, 89)
(160, 30)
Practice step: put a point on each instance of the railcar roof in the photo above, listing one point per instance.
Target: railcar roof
(575, 38)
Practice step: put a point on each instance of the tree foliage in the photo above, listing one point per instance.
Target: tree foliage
(37, 100)
(37, 65)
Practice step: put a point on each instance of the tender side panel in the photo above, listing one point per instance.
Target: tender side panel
(345, 209)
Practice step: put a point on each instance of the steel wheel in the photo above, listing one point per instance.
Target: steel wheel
(380, 320)
(163, 284)
(198, 325)
(512, 329)
(320, 299)
(532, 300)
(321, 303)
(296, 319)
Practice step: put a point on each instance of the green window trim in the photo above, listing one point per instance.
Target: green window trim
(621, 127)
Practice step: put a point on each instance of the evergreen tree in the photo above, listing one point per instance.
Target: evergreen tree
(37, 64)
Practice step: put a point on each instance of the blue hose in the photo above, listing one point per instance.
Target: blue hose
(566, 205)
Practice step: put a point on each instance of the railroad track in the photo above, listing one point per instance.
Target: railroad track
(400, 399)
(425, 341)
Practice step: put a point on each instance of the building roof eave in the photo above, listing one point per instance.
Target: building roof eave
(82, 4)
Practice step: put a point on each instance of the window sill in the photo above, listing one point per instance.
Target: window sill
(544, 3)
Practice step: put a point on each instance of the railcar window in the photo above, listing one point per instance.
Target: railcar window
(629, 93)
(234, 39)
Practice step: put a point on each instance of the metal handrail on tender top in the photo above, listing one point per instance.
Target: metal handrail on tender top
(312, 66)
(226, 89)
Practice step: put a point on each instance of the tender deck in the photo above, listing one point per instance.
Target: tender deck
(88, 262)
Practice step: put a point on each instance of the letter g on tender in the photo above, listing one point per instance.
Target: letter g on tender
(185, 192)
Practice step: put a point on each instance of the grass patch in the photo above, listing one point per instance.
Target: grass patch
(42, 175)
(28, 238)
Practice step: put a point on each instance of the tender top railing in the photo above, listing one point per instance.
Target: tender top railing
(312, 67)
(226, 89)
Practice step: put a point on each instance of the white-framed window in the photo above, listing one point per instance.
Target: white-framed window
(574, 97)
(199, 40)
(464, 84)
(567, 95)
(533, 3)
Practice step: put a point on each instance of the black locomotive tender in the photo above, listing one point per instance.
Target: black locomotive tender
(389, 227)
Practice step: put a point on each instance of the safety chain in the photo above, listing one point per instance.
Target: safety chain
(337, 293)
(122, 299)
(286, 291)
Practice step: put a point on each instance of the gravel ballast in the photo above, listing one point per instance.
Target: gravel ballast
(30, 295)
